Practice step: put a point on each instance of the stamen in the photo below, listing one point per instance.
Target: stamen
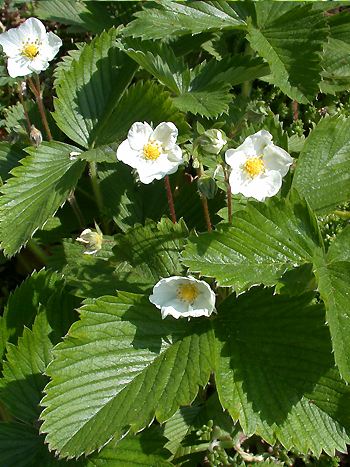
(254, 166)
(187, 292)
(151, 151)
(30, 50)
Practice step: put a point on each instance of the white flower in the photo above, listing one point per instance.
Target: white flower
(153, 153)
(212, 141)
(91, 240)
(183, 297)
(29, 48)
(257, 166)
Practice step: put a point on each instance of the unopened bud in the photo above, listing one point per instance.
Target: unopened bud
(23, 88)
(91, 240)
(207, 186)
(35, 136)
(212, 141)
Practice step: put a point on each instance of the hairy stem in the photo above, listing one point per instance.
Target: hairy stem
(169, 195)
(36, 89)
(29, 125)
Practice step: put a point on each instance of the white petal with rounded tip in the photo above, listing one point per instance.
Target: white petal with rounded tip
(127, 155)
(18, 66)
(11, 43)
(38, 64)
(276, 158)
(235, 158)
(139, 134)
(52, 46)
(263, 186)
(175, 154)
(166, 133)
(32, 29)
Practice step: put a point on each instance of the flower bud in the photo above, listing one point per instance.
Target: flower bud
(212, 141)
(35, 136)
(207, 186)
(91, 240)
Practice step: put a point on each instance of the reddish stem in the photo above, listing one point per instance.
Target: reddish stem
(170, 199)
(206, 213)
(37, 93)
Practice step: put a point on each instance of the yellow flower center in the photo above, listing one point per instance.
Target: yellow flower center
(254, 166)
(30, 50)
(187, 292)
(151, 151)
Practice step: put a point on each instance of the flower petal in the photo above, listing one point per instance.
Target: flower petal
(51, 46)
(166, 133)
(235, 158)
(18, 66)
(139, 134)
(38, 64)
(32, 29)
(263, 186)
(127, 155)
(276, 158)
(11, 42)
(174, 154)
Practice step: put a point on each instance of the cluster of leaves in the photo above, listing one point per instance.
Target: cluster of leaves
(125, 387)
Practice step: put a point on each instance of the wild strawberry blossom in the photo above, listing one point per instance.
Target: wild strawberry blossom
(29, 48)
(183, 297)
(257, 166)
(91, 240)
(153, 153)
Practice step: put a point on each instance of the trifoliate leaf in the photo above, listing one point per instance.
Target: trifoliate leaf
(39, 186)
(121, 355)
(324, 164)
(275, 372)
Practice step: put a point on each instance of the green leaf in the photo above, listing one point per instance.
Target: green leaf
(210, 102)
(86, 16)
(146, 254)
(37, 189)
(121, 355)
(160, 61)
(324, 164)
(339, 249)
(89, 91)
(28, 299)
(170, 18)
(275, 372)
(143, 102)
(335, 57)
(23, 380)
(290, 38)
(264, 241)
(144, 450)
(89, 275)
(9, 158)
(18, 444)
(332, 272)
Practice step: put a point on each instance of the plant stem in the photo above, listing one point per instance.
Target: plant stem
(98, 195)
(36, 89)
(295, 108)
(76, 209)
(37, 251)
(342, 214)
(169, 195)
(29, 125)
(204, 203)
(206, 213)
(228, 196)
